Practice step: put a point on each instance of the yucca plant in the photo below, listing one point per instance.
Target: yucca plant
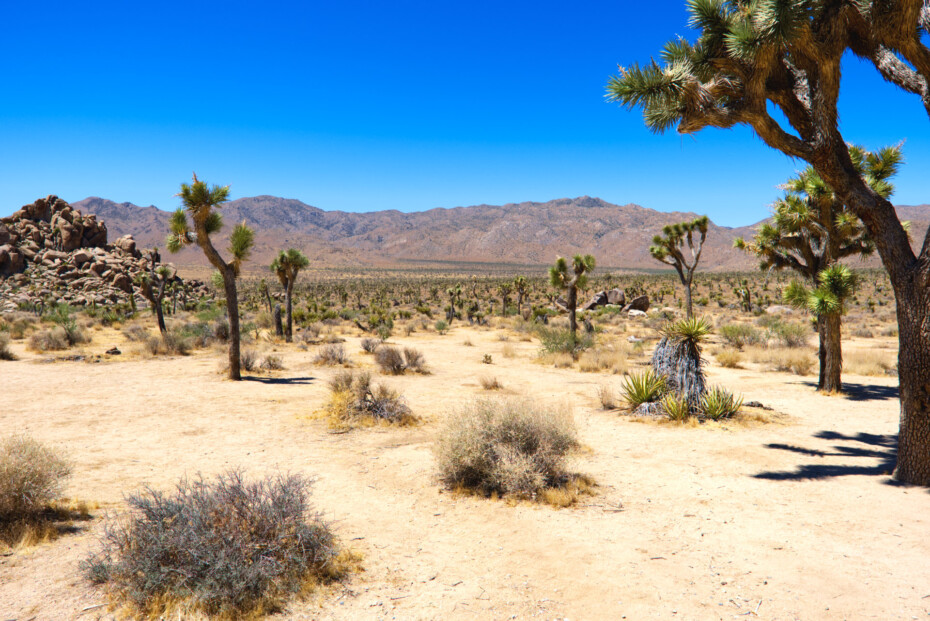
(676, 407)
(678, 359)
(719, 403)
(642, 388)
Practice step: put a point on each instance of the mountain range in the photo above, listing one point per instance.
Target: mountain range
(527, 233)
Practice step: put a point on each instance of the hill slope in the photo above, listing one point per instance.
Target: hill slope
(523, 233)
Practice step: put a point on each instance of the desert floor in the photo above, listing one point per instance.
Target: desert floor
(792, 519)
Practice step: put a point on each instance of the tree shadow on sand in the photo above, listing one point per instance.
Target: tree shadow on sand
(867, 447)
(865, 392)
(274, 381)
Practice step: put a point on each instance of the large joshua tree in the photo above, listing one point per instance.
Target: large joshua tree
(570, 278)
(202, 204)
(668, 248)
(811, 230)
(751, 55)
(287, 265)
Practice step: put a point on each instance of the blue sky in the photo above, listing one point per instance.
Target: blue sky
(362, 106)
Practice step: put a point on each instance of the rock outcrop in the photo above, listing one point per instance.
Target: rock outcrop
(50, 252)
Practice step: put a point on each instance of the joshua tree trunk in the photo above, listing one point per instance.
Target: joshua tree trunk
(232, 309)
(829, 328)
(288, 332)
(278, 327)
(688, 305)
(572, 303)
(158, 307)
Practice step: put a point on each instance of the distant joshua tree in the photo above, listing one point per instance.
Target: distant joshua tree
(521, 288)
(668, 247)
(570, 278)
(287, 265)
(153, 283)
(202, 203)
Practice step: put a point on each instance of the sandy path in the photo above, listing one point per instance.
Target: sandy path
(783, 521)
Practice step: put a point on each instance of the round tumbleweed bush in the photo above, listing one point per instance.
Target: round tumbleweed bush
(510, 447)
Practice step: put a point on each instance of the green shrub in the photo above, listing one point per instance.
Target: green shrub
(509, 447)
(719, 403)
(561, 341)
(226, 547)
(640, 388)
(790, 334)
(441, 326)
(739, 335)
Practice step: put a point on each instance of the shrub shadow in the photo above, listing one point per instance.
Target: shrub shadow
(295, 381)
(868, 446)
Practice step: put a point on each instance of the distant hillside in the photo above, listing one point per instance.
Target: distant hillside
(523, 233)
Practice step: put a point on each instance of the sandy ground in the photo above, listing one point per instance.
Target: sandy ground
(790, 520)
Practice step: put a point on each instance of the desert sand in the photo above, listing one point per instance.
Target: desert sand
(796, 518)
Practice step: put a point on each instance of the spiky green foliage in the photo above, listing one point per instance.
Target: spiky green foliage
(562, 275)
(677, 357)
(288, 264)
(676, 407)
(692, 329)
(719, 403)
(812, 227)
(836, 285)
(640, 388)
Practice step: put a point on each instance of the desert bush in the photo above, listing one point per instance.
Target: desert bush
(869, 363)
(561, 341)
(790, 334)
(5, 352)
(739, 335)
(390, 360)
(509, 447)
(441, 326)
(489, 382)
(32, 475)
(607, 396)
(332, 354)
(787, 360)
(719, 403)
(248, 359)
(272, 363)
(136, 333)
(221, 331)
(602, 359)
(487, 359)
(640, 388)
(176, 344)
(414, 360)
(227, 547)
(370, 345)
(353, 398)
(863, 332)
(54, 339)
(729, 358)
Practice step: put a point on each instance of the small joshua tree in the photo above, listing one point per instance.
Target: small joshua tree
(202, 203)
(521, 288)
(827, 302)
(153, 284)
(667, 248)
(504, 290)
(570, 278)
(287, 265)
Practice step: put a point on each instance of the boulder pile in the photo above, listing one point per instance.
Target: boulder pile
(50, 252)
(616, 297)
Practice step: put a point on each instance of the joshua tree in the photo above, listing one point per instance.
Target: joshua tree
(811, 229)
(521, 287)
(827, 302)
(152, 285)
(455, 299)
(287, 265)
(570, 278)
(202, 203)
(504, 290)
(787, 55)
(667, 248)
(265, 293)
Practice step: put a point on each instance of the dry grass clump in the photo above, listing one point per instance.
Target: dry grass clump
(136, 333)
(514, 448)
(272, 363)
(607, 397)
(331, 355)
(370, 345)
(229, 547)
(397, 361)
(489, 382)
(248, 359)
(602, 359)
(5, 352)
(509, 351)
(171, 344)
(54, 339)
(864, 362)
(32, 478)
(785, 359)
(354, 401)
(729, 358)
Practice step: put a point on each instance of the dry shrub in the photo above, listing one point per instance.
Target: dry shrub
(355, 401)
(54, 339)
(370, 345)
(396, 361)
(331, 355)
(785, 359)
(865, 362)
(607, 396)
(5, 352)
(729, 358)
(272, 363)
(136, 333)
(467, 342)
(172, 343)
(510, 447)
(31, 476)
(248, 359)
(602, 359)
(559, 361)
(227, 547)
(489, 382)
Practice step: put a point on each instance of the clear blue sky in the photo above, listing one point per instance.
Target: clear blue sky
(361, 106)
